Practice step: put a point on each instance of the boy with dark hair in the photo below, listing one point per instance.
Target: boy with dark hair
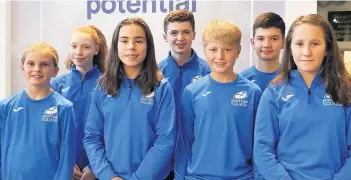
(268, 39)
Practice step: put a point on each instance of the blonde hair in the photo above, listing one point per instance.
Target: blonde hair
(221, 30)
(100, 42)
(43, 48)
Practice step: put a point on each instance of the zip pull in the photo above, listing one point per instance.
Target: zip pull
(180, 70)
(309, 95)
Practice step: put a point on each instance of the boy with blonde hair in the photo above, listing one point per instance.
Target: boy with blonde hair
(217, 113)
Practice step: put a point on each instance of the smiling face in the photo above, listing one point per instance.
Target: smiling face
(221, 56)
(82, 50)
(308, 48)
(38, 69)
(179, 36)
(132, 47)
(267, 43)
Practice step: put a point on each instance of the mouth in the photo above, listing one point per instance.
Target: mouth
(220, 63)
(37, 76)
(132, 56)
(180, 44)
(79, 59)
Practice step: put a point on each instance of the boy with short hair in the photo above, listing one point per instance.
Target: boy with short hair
(217, 113)
(182, 66)
(268, 39)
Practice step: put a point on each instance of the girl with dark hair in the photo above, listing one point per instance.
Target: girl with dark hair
(88, 51)
(303, 128)
(130, 131)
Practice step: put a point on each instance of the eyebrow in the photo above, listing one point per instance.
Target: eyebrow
(136, 37)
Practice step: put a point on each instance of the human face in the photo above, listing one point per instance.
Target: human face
(267, 43)
(308, 48)
(180, 36)
(39, 69)
(82, 50)
(221, 57)
(132, 46)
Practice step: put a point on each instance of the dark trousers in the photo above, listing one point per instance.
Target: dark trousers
(170, 176)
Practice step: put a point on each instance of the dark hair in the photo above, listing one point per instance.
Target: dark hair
(268, 20)
(334, 74)
(147, 79)
(179, 16)
(100, 41)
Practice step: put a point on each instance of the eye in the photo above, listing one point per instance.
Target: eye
(73, 46)
(86, 47)
(212, 49)
(173, 33)
(123, 41)
(274, 39)
(259, 39)
(30, 63)
(300, 44)
(315, 44)
(139, 41)
(227, 50)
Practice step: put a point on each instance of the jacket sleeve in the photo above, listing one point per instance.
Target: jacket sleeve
(186, 136)
(345, 171)
(94, 139)
(67, 144)
(266, 136)
(157, 160)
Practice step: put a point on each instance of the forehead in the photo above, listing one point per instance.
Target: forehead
(178, 26)
(81, 37)
(308, 32)
(272, 31)
(131, 31)
(220, 44)
(38, 56)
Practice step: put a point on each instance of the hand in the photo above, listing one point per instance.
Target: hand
(87, 174)
(116, 178)
(77, 174)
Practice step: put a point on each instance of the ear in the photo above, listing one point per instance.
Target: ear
(22, 67)
(194, 35)
(97, 51)
(283, 45)
(165, 37)
(239, 49)
(252, 42)
(57, 69)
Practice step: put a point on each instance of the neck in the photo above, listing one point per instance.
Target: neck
(223, 78)
(268, 66)
(84, 69)
(308, 77)
(181, 59)
(131, 72)
(38, 93)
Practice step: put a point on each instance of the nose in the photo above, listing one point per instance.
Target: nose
(267, 43)
(180, 36)
(219, 54)
(36, 67)
(79, 51)
(306, 50)
(131, 46)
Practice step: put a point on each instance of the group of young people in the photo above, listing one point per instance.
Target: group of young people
(117, 114)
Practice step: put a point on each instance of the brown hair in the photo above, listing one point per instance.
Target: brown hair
(334, 74)
(268, 20)
(179, 16)
(100, 41)
(148, 78)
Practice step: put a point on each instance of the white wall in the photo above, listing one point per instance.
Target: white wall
(53, 22)
(5, 49)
